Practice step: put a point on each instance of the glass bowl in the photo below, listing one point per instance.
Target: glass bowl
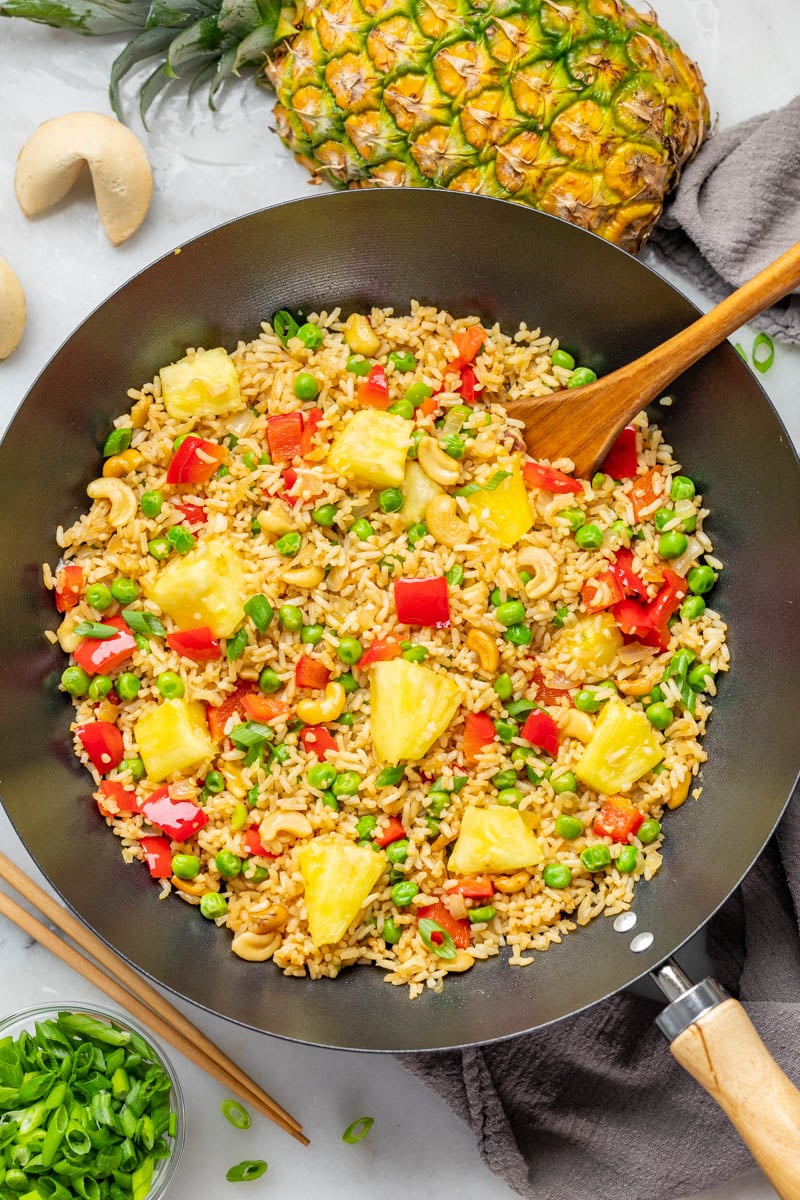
(165, 1168)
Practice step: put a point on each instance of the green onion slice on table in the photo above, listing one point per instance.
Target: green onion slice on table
(244, 1172)
(236, 1113)
(358, 1130)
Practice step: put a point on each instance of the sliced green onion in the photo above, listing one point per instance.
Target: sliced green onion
(763, 362)
(358, 1130)
(143, 622)
(236, 1113)
(740, 350)
(236, 645)
(244, 1172)
(260, 612)
(494, 483)
(95, 629)
(446, 948)
(251, 733)
(284, 325)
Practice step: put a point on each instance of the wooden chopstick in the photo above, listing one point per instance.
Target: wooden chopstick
(143, 1001)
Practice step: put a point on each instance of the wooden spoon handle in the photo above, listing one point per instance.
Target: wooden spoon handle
(724, 1053)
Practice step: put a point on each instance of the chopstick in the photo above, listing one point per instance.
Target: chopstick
(137, 996)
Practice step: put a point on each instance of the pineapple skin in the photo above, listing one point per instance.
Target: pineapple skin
(584, 109)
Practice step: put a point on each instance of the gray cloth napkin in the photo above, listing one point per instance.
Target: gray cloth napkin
(595, 1107)
(736, 208)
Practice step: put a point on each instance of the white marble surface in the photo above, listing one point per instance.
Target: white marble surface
(209, 168)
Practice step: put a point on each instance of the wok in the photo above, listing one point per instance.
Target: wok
(470, 255)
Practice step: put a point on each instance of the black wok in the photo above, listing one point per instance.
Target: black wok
(470, 255)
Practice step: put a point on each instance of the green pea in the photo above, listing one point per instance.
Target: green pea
(416, 393)
(222, 471)
(699, 677)
(117, 442)
(181, 539)
(124, 591)
(404, 361)
(556, 875)
(589, 537)
(135, 766)
(348, 682)
(391, 932)
(100, 686)
(599, 481)
(560, 358)
(128, 686)
(228, 864)
(415, 654)
(310, 335)
(255, 526)
(306, 386)
(99, 597)
(586, 701)
(662, 517)
(75, 681)
(416, 437)
(525, 578)
(416, 533)
(402, 408)
(391, 500)
(692, 608)
(346, 719)
(362, 529)
(346, 784)
(509, 797)
(536, 773)
(510, 613)
(659, 715)
(627, 860)
(390, 776)
(397, 852)
(253, 873)
(158, 548)
(330, 801)
(518, 635)
(269, 681)
(496, 597)
(569, 828)
(214, 782)
(312, 635)
(179, 440)
(701, 580)
(596, 857)
(454, 446)
(574, 517)
(682, 488)
(322, 775)
(565, 782)
(170, 685)
(649, 830)
(438, 804)
(249, 460)
(520, 756)
(212, 905)
(672, 544)
(581, 376)
(185, 866)
(357, 365)
(349, 650)
(504, 779)
(403, 893)
(281, 754)
(455, 576)
(503, 686)
(506, 730)
(366, 826)
(290, 617)
(479, 916)
(325, 515)
(289, 544)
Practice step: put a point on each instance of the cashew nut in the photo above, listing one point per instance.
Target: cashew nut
(294, 824)
(680, 793)
(360, 336)
(304, 577)
(12, 310)
(485, 647)
(122, 464)
(68, 639)
(189, 887)
(275, 520)
(140, 411)
(274, 918)
(443, 521)
(51, 161)
(255, 947)
(542, 567)
(121, 498)
(437, 465)
(318, 712)
(508, 884)
(573, 723)
(462, 961)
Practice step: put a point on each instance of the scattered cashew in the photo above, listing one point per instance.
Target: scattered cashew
(275, 520)
(121, 498)
(508, 884)
(294, 824)
(679, 795)
(437, 465)
(542, 567)
(234, 780)
(444, 523)
(140, 411)
(573, 723)
(462, 961)
(12, 310)
(122, 464)
(360, 336)
(273, 919)
(52, 159)
(304, 577)
(642, 685)
(318, 712)
(189, 887)
(485, 647)
(255, 947)
(68, 639)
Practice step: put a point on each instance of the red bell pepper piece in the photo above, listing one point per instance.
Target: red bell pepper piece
(469, 343)
(311, 673)
(666, 603)
(253, 844)
(381, 650)
(102, 741)
(430, 405)
(536, 475)
(422, 601)
(459, 930)
(467, 390)
(264, 708)
(620, 462)
(622, 570)
(554, 691)
(193, 514)
(219, 716)
(289, 480)
(601, 591)
(472, 889)
(617, 819)
(69, 585)
(198, 644)
(312, 420)
(179, 819)
(98, 656)
(643, 494)
(195, 460)
(158, 856)
(479, 731)
(317, 740)
(635, 621)
(390, 833)
(124, 798)
(373, 392)
(541, 730)
(285, 436)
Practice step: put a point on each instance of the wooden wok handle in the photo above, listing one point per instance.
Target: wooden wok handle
(724, 1053)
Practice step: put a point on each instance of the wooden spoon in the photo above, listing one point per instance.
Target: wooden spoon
(581, 423)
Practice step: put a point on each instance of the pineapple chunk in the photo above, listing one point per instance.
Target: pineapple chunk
(504, 513)
(494, 839)
(623, 747)
(338, 877)
(593, 643)
(418, 489)
(411, 707)
(204, 386)
(172, 738)
(205, 587)
(372, 448)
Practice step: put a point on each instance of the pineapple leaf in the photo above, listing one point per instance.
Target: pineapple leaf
(255, 48)
(150, 89)
(224, 69)
(146, 44)
(202, 40)
(239, 17)
(90, 17)
(205, 75)
(174, 16)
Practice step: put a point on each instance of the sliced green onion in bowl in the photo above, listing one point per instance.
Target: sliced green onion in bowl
(358, 1130)
(244, 1172)
(236, 1113)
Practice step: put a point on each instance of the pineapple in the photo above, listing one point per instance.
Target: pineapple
(494, 839)
(372, 448)
(205, 587)
(173, 738)
(622, 749)
(585, 109)
(338, 877)
(418, 491)
(504, 512)
(411, 706)
(593, 642)
(205, 385)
